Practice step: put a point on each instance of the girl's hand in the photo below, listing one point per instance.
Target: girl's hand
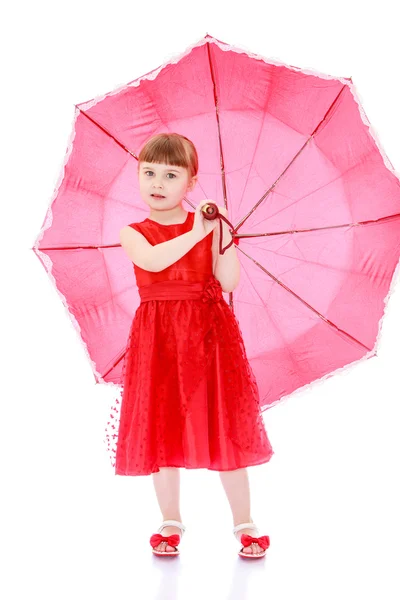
(203, 226)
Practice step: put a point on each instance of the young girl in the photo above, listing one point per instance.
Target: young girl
(190, 398)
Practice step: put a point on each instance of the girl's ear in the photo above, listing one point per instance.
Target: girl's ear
(193, 182)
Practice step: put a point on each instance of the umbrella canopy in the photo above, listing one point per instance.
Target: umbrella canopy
(314, 201)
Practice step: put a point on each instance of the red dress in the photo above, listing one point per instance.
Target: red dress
(189, 396)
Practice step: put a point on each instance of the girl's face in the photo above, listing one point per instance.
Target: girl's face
(170, 181)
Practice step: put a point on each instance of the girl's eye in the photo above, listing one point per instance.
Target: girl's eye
(173, 174)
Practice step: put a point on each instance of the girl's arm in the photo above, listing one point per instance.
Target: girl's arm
(227, 267)
(159, 257)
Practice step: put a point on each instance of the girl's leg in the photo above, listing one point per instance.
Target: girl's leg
(236, 486)
(167, 483)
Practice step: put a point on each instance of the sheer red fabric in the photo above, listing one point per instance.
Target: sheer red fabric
(189, 397)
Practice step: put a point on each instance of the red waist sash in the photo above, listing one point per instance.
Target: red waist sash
(208, 291)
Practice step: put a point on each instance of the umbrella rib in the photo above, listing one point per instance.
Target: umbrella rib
(380, 219)
(218, 126)
(288, 350)
(115, 364)
(79, 247)
(107, 132)
(304, 302)
(123, 147)
(291, 162)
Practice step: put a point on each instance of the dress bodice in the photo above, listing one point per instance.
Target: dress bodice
(195, 265)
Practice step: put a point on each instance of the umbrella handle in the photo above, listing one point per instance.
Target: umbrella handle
(222, 250)
(210, 212)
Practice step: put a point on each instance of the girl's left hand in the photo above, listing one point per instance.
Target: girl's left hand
(224, 212)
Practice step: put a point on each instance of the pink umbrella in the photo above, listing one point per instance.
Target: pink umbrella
(314, 201)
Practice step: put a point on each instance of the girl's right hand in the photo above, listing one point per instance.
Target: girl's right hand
(201, 226)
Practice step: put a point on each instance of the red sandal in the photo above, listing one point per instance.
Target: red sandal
(247, 540)
(171, 540)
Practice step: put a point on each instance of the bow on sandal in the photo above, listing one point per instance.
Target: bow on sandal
(171, 540)
(247, 540)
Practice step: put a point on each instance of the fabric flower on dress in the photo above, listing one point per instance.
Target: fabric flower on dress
(212, 291)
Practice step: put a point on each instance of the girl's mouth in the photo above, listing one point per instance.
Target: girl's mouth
(158, 196)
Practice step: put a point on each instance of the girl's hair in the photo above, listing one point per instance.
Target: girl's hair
(171, 149)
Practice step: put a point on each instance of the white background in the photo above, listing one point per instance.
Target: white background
(329, 497)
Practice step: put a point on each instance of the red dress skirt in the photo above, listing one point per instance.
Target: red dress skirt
(189, 396)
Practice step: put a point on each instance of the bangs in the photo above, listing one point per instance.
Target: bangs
(170, 149)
